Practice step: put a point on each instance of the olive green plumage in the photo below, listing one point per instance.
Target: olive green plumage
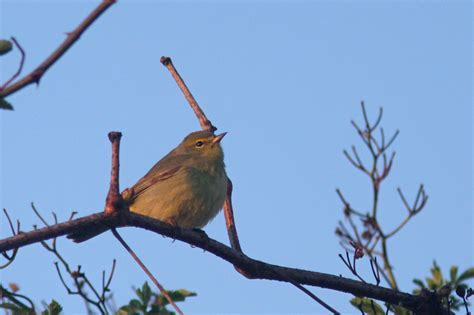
(186, 188)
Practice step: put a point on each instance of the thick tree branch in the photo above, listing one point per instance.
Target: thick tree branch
(72, 37)
(258, 269)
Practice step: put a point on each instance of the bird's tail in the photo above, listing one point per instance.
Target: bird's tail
(84, 235)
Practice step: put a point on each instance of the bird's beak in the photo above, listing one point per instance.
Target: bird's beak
(218, 138)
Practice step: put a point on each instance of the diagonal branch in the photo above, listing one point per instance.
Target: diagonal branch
(258, 269)
(36, 75)
(203, 120)
(207, 125)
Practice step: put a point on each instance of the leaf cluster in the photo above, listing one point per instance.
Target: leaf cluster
(152, 303)
(436, 281)
(17, 304)
(146, 302)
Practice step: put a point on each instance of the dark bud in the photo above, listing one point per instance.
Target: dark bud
(461, 291)
(444, 291)
(5, 46)
(366, 235)
(347, 211)
(14, 287)
(358, 251)
(469, 292)
(165, 60)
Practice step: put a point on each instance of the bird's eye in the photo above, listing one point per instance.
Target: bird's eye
(199, 143)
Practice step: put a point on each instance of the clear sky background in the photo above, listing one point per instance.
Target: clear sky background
(284, 79)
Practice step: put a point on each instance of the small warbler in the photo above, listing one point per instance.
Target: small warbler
(186, 188)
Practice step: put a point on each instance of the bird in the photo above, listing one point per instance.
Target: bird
(186, 188)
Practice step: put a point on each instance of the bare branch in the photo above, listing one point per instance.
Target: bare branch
(20, 67)
(375, 270)
(259, 269)
(10, 258)
(147, 271)
(114, 200)
(203, 120)
(392, 139)
(36, 75)
(351, 267)
(38, 214)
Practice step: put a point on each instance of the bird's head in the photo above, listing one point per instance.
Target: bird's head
(203, 144)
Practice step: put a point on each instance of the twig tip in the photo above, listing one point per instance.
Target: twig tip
(114, 136)
(165, 60)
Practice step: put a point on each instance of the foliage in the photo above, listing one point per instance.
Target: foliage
(5, 46)
(368, 306)
(52, 309)
(5, 105)
(17, 304)
(149, 302)
(437, 280)
(146, 303)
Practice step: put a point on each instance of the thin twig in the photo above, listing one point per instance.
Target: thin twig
(10, 223)
(10, 258)
(113, 205)
(38, 72)
(79, 278)
(13, 296)
(259, 269)
(106, 285)
(203, 120)
(314, 297)
(38, 214)
(20, 67)
(146, 270)
(375, 270)
(114, 199)
(351, 267)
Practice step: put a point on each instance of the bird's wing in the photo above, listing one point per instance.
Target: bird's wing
(166, 168)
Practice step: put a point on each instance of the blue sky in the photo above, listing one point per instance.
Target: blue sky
(284, 79)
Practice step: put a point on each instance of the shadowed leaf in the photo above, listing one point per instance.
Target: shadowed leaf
(368, 306)
(5, 105)
(5, 46)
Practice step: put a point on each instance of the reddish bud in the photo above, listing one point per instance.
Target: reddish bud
(14, 287)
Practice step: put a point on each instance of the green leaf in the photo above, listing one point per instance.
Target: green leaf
(468, 274)
(437, 275)
(5, 46)
(5, 105)
(180, 295)
(54, 308)
(127, 310)
(155, 309)
(453, 273)
(135, 304)
(398, 310)
(177, 296)
(11, 306)
(368, 306)
(146, 294)
(419, 283)
(431, 284)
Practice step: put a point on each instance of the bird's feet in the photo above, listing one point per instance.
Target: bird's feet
(174, 225)
(203, 235)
